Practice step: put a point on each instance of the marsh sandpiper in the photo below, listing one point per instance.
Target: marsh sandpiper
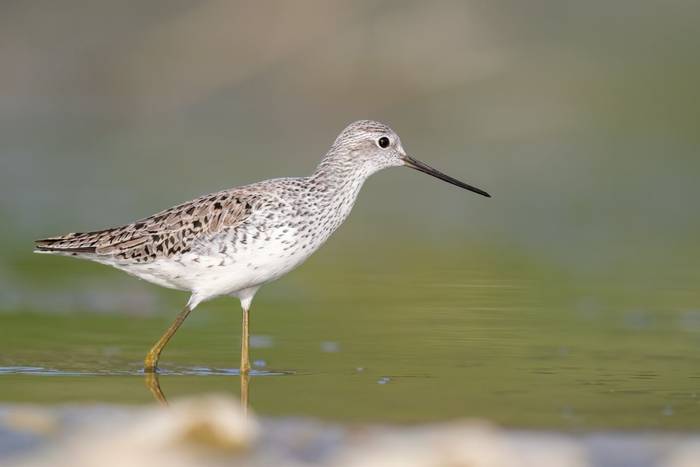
(235, 241)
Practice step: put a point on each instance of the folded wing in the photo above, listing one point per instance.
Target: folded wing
(167, 233)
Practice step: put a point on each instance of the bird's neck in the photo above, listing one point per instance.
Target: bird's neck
(338, 182)
(341, 170)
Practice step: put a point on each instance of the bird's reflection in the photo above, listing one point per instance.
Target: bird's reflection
(153, 385)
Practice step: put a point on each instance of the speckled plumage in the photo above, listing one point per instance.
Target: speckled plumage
(234, 241)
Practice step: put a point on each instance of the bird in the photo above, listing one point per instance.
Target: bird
(232, 242)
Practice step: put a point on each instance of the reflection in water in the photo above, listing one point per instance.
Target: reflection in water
(153, 385)
(245, 382)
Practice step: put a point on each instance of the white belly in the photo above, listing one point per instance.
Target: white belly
(210, 273)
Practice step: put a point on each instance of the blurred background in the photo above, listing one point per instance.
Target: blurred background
(575, 283)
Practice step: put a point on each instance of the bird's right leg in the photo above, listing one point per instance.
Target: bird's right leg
(246, 297)
(151, 362)
(245, 341)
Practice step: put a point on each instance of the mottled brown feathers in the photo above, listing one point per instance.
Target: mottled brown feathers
(167, 233)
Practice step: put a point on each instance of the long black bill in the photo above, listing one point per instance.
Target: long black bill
(425, 168)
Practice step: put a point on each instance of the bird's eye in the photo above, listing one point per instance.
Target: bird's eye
(383, 142)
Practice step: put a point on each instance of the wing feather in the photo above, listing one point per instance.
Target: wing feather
(169, 232)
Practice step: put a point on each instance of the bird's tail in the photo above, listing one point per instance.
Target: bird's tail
(72, 243)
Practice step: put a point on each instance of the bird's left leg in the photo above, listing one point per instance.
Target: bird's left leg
(151, 361)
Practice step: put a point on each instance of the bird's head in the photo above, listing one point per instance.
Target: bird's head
(369, 146)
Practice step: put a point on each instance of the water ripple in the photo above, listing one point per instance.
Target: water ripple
(181, 371)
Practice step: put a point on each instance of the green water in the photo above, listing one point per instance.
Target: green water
(398, 335)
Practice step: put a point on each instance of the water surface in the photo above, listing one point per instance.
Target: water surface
(409, 339)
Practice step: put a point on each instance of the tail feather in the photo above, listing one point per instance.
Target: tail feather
(39, 248)
(77, 242)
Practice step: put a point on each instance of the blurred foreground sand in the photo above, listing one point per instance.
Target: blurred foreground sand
(212, 430)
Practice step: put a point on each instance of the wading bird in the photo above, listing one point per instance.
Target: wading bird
(234, 241)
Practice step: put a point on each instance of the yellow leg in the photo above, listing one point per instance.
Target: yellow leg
(151, 362)
(245, 338)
